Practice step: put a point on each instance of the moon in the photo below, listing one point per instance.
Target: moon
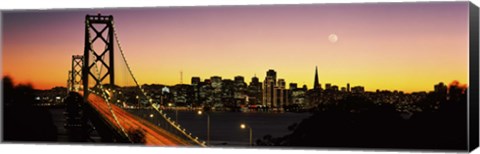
(333, 38)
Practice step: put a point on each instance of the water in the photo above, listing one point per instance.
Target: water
(225, 126)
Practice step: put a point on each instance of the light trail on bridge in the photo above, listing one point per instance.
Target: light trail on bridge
(153, 135)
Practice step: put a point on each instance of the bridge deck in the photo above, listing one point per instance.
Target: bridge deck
(153, 134)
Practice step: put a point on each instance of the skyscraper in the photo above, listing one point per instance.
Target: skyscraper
(196, 89)
(314, 94)
(269, 87)
(328, 87)
(216, 83)
(280, 94)
(240, 90)
(293, 86)
(239, 79)
(195, 81)
(316, 84)
(255, 91)
(348, 87)
(271, 73)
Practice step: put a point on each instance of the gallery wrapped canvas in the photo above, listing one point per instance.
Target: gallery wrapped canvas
(388, 76)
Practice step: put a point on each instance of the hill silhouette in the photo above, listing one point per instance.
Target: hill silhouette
(356, 122)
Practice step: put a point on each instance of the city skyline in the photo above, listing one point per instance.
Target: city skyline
(403, 49)
(248, 81)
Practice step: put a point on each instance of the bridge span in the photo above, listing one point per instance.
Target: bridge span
(151, 134)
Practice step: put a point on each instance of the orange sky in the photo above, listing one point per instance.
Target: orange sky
(394, 46)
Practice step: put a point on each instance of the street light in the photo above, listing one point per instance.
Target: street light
(208, 126)
(243, 126)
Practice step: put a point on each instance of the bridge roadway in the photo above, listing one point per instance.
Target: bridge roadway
(153, 134)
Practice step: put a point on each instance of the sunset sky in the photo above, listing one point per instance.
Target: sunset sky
(394, 46)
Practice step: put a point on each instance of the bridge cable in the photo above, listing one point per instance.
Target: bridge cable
(102, 89)
(150, 100)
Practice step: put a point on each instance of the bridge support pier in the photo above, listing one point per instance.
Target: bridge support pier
(76, 124)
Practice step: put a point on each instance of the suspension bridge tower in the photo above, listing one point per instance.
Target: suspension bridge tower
(98, 47)
(75, 77)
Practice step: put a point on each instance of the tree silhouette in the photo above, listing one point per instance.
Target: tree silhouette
(23, 121)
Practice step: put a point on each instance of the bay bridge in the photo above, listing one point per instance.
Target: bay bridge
(101, 108)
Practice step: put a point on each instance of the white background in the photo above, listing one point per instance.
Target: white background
(85, 149)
